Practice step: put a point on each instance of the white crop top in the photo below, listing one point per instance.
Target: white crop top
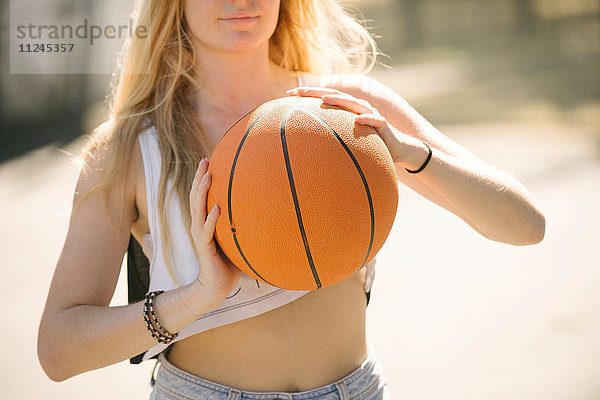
(248, 299)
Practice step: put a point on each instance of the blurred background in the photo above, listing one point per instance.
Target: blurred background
(453, 315)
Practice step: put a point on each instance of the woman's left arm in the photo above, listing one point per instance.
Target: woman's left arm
(493, 202)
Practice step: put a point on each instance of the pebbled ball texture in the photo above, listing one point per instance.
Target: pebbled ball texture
(307, 196)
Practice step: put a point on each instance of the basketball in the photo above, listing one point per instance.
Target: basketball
(307, 196)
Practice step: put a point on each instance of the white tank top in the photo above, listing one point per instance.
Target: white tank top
(248, 299)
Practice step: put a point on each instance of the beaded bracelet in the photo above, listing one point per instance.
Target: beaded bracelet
(159, 333)
(155, 334)
(416, 171)
(160, 328)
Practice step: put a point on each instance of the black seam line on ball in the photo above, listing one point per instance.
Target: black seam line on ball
(362, 176)
(295, 197)
(236, 122)
(229, 198)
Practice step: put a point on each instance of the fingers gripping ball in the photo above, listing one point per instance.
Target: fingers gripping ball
(308, 197)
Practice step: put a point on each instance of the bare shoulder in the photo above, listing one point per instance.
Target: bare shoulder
(98, 160)
(109, 181)
(125, 190)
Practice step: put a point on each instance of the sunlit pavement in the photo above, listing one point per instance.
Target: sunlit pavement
(452, 314)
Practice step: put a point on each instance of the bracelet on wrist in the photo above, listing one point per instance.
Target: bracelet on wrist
(416, 171)
(158, 332)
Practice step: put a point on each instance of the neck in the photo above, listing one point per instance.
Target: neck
(236, 83)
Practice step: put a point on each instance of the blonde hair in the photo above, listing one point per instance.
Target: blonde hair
(156, 74)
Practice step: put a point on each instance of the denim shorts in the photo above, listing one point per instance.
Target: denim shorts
(364, 383)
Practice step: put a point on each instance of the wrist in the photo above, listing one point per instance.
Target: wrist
(198, 300)
(416, 157)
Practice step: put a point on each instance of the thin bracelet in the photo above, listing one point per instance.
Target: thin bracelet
(416, 171)
(160, 334)
(159, 327)
(155, 335)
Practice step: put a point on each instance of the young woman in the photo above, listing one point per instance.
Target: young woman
(205, 64)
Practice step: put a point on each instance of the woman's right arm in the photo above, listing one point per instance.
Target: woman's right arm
(78, 331)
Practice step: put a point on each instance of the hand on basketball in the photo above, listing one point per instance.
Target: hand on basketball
(218, 275)
(367, 115)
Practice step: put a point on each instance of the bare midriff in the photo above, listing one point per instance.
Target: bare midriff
(305, 344)
(310, 342)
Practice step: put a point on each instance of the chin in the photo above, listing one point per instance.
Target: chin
(244, 44)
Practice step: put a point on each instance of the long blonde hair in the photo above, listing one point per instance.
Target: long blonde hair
(156, 73)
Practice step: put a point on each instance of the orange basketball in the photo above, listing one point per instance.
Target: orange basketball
(307, 196)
